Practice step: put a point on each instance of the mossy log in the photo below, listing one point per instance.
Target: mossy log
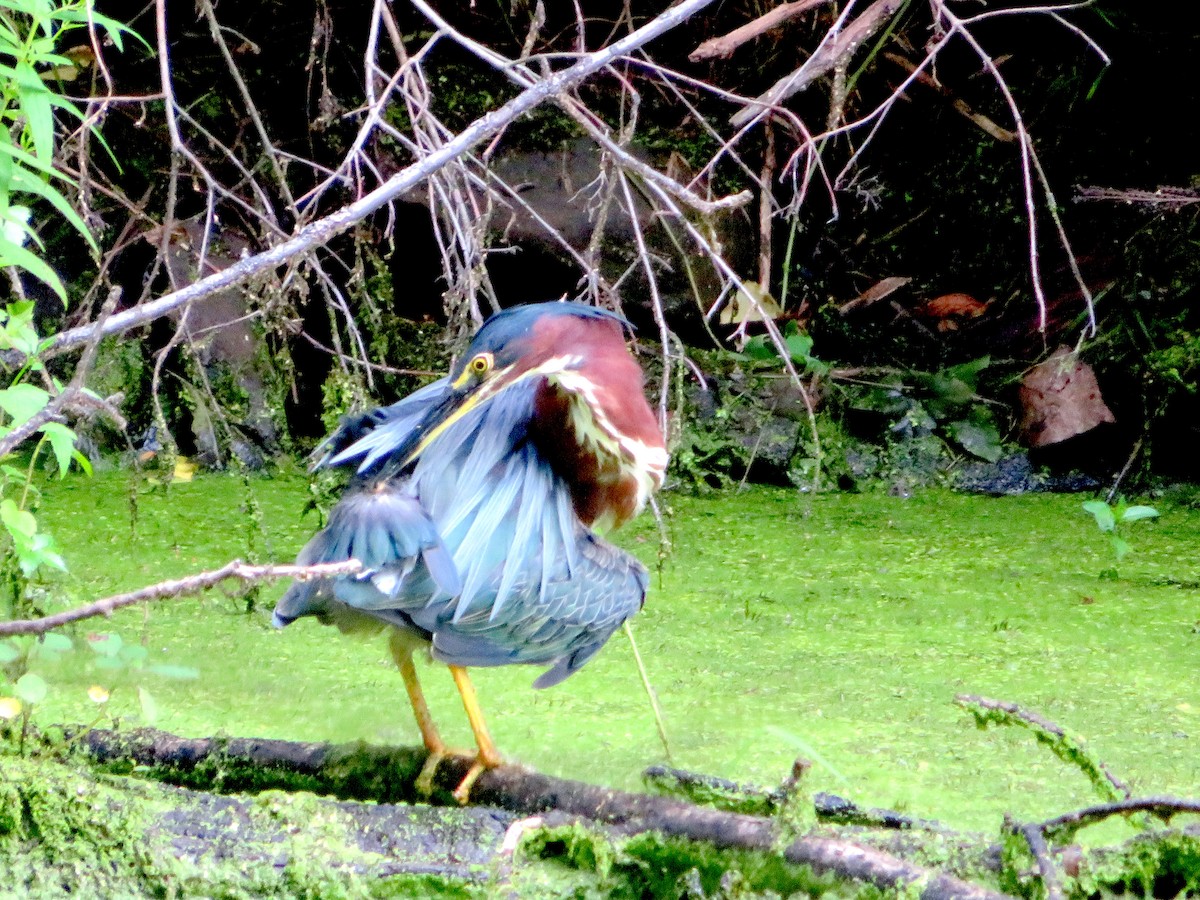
(388, 774)
(242, 817)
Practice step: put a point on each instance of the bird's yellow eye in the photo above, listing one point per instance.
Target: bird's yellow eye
(481, 364)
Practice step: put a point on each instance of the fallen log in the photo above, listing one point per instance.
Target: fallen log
(388, 775)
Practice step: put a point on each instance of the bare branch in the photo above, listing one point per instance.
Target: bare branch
(321, 231)
(180, 587)
(1163, 197)
(724, 45)
(838, 46)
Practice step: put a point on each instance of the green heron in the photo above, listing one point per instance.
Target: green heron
(475, 505)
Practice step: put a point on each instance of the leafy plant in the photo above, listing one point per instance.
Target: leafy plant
(1109, 520)
(117, 663)
(945, 402)
(20, 402)
(799, 346)
(35, 53)
(31, 34)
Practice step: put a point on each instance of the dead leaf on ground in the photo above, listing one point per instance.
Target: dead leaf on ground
(874, 293)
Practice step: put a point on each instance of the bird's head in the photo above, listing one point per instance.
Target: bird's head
(578, 346)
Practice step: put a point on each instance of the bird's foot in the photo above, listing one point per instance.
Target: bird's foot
(424, 782)
(483, 762)
(424, 785)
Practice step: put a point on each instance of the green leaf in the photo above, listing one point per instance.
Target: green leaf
(62, 442)
(53, 642)
(1102, 513)
(40, 552)
(1120, 547)
(31, 688)
(968, 372)
(149, 707)
(12, 254)
(105, 644)
(19, 333)
(1133, 513)
(34, 99)
(182, 673)
(134, 653)
(22, 180)
(83, 462)
(980, 440)
(23, 401)
(20, 522)
(948, 394)
(8, 653)
(9, 149)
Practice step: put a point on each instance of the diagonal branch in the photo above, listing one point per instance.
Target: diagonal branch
(837, 48)
(321, 231)
(724, 45)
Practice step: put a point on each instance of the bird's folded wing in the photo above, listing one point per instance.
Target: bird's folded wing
(393, 537)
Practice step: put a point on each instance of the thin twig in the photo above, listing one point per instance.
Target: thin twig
(180, 587)
(1116, 485)
(322, 230)
(654, 707)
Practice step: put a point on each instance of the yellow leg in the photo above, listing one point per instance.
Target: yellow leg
(429, 733)
(488, 757)
(402, 653)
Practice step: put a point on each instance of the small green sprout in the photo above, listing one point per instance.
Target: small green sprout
(1110, 518)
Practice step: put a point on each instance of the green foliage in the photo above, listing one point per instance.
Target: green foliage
(114, 662)
(799, 346)
(1109, 520)
(27, 546)
(946, 403)
(31, 31)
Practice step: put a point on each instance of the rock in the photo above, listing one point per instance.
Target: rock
(1016, 474)
(1060, 398)
(220, 330)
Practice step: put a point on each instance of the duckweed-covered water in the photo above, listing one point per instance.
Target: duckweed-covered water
(836, 627)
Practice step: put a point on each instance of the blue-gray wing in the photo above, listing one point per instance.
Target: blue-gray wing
(370, 438)
(563, 623)
(394, 539)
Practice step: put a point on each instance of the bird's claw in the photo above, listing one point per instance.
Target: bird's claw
(483, 762)
(424, 783)
(480, 763)
(462, 793)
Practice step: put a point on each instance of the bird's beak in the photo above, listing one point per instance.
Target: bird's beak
(461, 397)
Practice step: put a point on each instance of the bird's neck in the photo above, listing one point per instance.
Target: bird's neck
(604, 442)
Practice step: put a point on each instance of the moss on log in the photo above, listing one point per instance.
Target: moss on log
(245, 818)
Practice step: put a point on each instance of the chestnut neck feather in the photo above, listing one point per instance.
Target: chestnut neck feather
(593, 424)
